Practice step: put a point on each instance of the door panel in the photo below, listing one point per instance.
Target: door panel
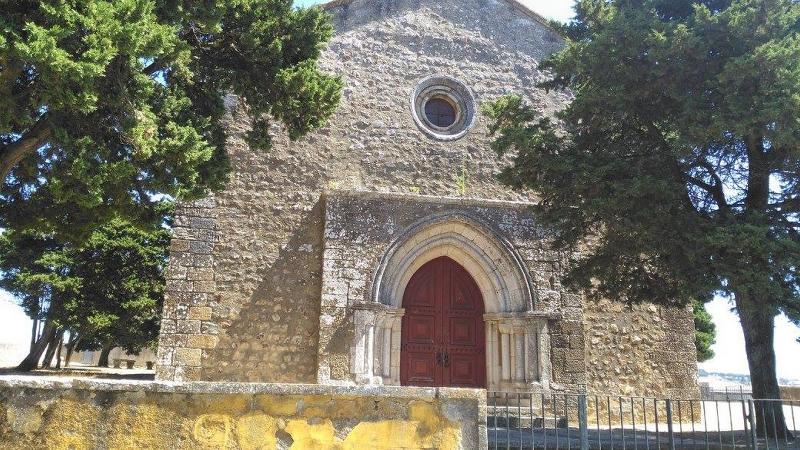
(462, 332)
(421, 369)
(422, 329)
(443, 335)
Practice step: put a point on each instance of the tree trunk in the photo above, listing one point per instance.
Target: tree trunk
(51, 350)
(758, 325)
(60, 346)
(34, 333)
(73, 341)
(32, 360)
(103, 362)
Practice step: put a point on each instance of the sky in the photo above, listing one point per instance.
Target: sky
(729, 349)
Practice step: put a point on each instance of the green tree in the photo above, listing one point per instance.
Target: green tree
(678, 158)
(121, 268)
(104, 104)
(705, 332)
(106, 292)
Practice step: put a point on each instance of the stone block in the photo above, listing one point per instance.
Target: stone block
(201, 247)
(200, 274)
(169, 326)
(199, 313)
(209, 328)
(205, 287)
(202, 223)
(188, 327)
(178, 245)
(202, 341)
(188, 357)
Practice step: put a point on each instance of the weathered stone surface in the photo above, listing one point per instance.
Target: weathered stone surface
(245, 285)
(634, 351)
(52, 413)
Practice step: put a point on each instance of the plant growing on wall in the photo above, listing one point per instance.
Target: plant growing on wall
(107, 106)
(680, 153)
(462, 182)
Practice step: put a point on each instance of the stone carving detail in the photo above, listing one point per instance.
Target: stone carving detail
(376, 350)
(517, 351)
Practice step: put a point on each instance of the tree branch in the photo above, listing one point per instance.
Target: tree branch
(792, 203)
(32, 140)
(715, 190)
(152, 68)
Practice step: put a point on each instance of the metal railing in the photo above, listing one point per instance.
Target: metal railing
(568, 421)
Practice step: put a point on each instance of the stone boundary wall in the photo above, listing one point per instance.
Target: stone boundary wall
(791, 393)
(85, 414)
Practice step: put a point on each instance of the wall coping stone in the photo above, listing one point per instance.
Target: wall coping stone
(200, 387)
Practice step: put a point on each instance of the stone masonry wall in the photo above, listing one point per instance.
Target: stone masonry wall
(57, 414)
(245, 277)
(267, 259)
(187, 328)
(354, 248)
(642, 350)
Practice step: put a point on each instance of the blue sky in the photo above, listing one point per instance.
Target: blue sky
(730, 356)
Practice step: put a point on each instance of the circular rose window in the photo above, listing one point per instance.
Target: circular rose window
(443, 107)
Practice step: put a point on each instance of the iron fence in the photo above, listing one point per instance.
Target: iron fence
(567, 421)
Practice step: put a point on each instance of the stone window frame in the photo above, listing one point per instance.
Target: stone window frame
(451, 90)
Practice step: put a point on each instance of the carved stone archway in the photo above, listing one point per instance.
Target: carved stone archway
(517, 344)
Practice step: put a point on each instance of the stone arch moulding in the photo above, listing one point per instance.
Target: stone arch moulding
(492, 260)
(517, 336)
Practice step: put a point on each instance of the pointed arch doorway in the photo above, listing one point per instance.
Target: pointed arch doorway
(443, 339)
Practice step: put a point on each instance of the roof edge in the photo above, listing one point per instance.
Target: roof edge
(516, 4)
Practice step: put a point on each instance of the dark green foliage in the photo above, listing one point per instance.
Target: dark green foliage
(705, 334)
(679, 157)
(107, 105)
(109, 289)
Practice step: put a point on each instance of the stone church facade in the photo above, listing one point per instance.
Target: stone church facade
(381, 250)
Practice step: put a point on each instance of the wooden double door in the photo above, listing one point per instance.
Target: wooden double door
(443, 339)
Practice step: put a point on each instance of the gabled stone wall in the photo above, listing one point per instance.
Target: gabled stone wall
(245, 284)
(267, 232)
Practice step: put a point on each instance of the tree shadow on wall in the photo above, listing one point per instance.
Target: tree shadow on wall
(275, 335)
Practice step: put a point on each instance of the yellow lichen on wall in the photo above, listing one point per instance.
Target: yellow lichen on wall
(78, 420)
(256, 432)
(425, 428)
(312, 436)
(71, 424)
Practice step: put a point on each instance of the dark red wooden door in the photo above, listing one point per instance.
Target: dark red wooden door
(442, 336)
